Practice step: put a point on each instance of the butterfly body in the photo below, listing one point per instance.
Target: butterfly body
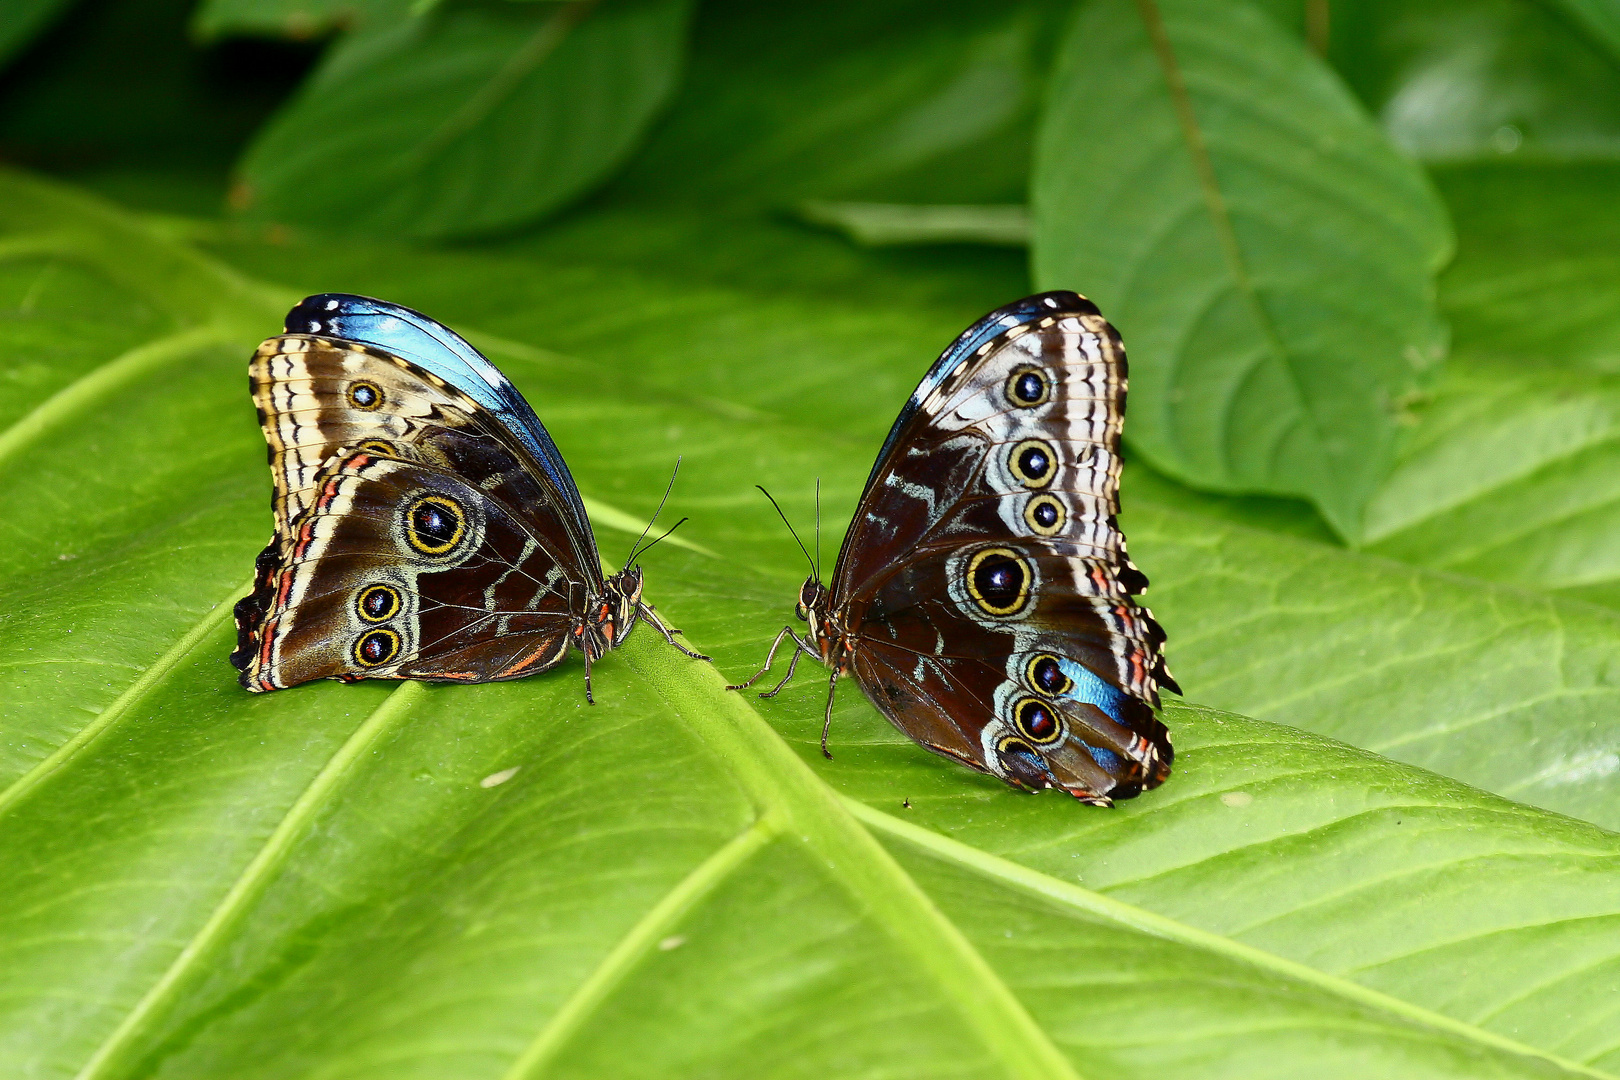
(983, 597)
(426, 527)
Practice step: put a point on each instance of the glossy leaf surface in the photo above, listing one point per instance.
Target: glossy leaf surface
(352, 880)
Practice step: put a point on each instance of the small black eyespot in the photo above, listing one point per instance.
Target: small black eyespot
(1046, 515)
(1027, 387)
(364, 395)
(1036, 721)
(378, 603)
(1046, 675)
(1034, 463)
(376, 647)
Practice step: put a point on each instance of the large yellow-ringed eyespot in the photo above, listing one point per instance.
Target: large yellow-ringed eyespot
(1037, 721)
(998, 580)
(377, 603)
(365, 395)
(1045, 515)
(1033, 463)
(1045, 675)
(376, 647)
(435, 524)
(378, 447)
(1028, 386)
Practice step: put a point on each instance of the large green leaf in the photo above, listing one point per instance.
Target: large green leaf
(470, 119)
(1266, 253)
(501, 881)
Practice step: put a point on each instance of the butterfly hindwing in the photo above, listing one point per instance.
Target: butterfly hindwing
(985, 580)
(398, 569)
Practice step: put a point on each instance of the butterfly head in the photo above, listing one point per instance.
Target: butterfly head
(812, 600)
(611, 616)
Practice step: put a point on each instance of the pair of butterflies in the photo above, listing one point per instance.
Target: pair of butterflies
(426, 527)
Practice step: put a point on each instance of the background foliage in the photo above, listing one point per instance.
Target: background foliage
(1367, 259)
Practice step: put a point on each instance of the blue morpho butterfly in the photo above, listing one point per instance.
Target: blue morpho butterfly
(983, 596)
(426, 526)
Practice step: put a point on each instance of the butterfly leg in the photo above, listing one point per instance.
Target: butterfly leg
(588, 699)
(793, 665)
(826, 725)
(669, 634)
(771, 656)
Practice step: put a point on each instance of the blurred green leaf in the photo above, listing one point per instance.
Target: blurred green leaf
(1484, 79)
(300, 18)
(887, 101)
(501, 881)
(474, 118)
(1266, 253)
(23, 20)
(1600, 19)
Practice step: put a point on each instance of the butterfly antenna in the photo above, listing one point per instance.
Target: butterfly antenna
(629, 560)
(818, 528)
(665, 533)
(813, 567)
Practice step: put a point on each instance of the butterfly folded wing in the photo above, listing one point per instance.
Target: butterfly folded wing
(1002, 473)
(399, 569)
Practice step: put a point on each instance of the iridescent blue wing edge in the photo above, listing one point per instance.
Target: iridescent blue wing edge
(436, 348)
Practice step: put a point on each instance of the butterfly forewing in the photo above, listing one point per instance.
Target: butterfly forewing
(985, 579)
(317, 397)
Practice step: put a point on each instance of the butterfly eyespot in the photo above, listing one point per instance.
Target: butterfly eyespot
(1032, 463)
(1037, 721)
(365, 395)
(1028, 386)
(1045, 515)
(376, 647)
(378, 447)
(1021, 764)
(1045, 674)
(435, 524)
(378, 603)
(998, 579)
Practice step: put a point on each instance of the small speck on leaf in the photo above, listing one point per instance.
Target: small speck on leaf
(1237, 798)
(494, 779)
(674, 941)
